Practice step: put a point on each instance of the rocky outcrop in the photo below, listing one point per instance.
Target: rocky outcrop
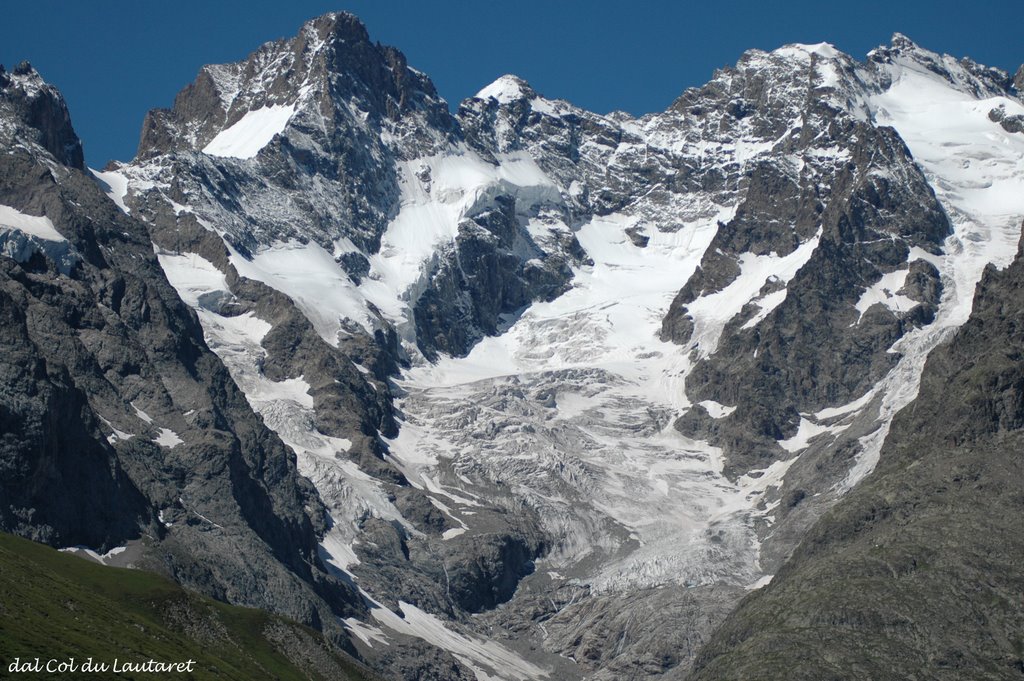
(40, 111)
(358, 132)
(453, 323)
(865, 205)
(916, 572)
(1012, 123)
(119, 424)
(492, 271)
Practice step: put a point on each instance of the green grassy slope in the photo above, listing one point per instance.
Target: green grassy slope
(57, 606)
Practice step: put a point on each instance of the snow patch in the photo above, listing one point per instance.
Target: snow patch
(716, 410)
(142, 415)
(367, 633)
(114, 185)
(505, 89)
(92, 553)
(857, 404)
(116, 434)
(807, 431)
(251, 132)
(482, 656)
(311, 277)
(765, 306)
(40, 227)
(191, 275)
(884, 291)
(168, 438)
(713, 311)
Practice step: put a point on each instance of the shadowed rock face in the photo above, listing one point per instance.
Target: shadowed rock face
(775, 183)
(868, 208)
(118, 423)
(40, 108)
(917, 572)
(622, 460)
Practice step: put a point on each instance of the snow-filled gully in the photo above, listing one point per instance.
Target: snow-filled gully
(571, 408)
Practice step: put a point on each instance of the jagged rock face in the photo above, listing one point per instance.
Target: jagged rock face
(337, 91)
(546, 366)
(356, 132)
(38, 110)
(118, 423)
(362, 154)
(848, 187)
(492, 270)
(940, 514)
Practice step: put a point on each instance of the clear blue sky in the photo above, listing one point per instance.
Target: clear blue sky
(116, 59)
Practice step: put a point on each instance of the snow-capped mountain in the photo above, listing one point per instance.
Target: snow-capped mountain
(570, 385)
(122, 432)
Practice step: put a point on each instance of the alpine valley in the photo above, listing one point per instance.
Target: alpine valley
(524, 392)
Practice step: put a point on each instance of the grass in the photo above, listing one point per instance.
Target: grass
(59, 606)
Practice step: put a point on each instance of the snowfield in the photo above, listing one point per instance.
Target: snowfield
(571, 408)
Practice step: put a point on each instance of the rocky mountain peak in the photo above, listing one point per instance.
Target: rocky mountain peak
(331, 71)
(750, 280)
(506, 89)
(338, 27)
(34, 112)
(902, 42)
(965, 74)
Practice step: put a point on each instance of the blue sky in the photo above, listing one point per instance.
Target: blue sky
(117, 59)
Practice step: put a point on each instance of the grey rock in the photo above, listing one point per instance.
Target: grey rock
(41, 113)
(118, 421)
(101, 334)
(1008, 123)
(916, 572)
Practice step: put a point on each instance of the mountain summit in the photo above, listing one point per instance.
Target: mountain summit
(479, 394)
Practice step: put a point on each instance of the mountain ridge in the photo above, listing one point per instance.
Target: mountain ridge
(547, 367)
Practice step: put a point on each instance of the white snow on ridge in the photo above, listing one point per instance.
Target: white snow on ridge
(251, 132)
(803, 51)
(507, 88)
(884, 291)
(40, 227)
(974, 167)
(311, 277)
(460, 182)
(114, 185)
